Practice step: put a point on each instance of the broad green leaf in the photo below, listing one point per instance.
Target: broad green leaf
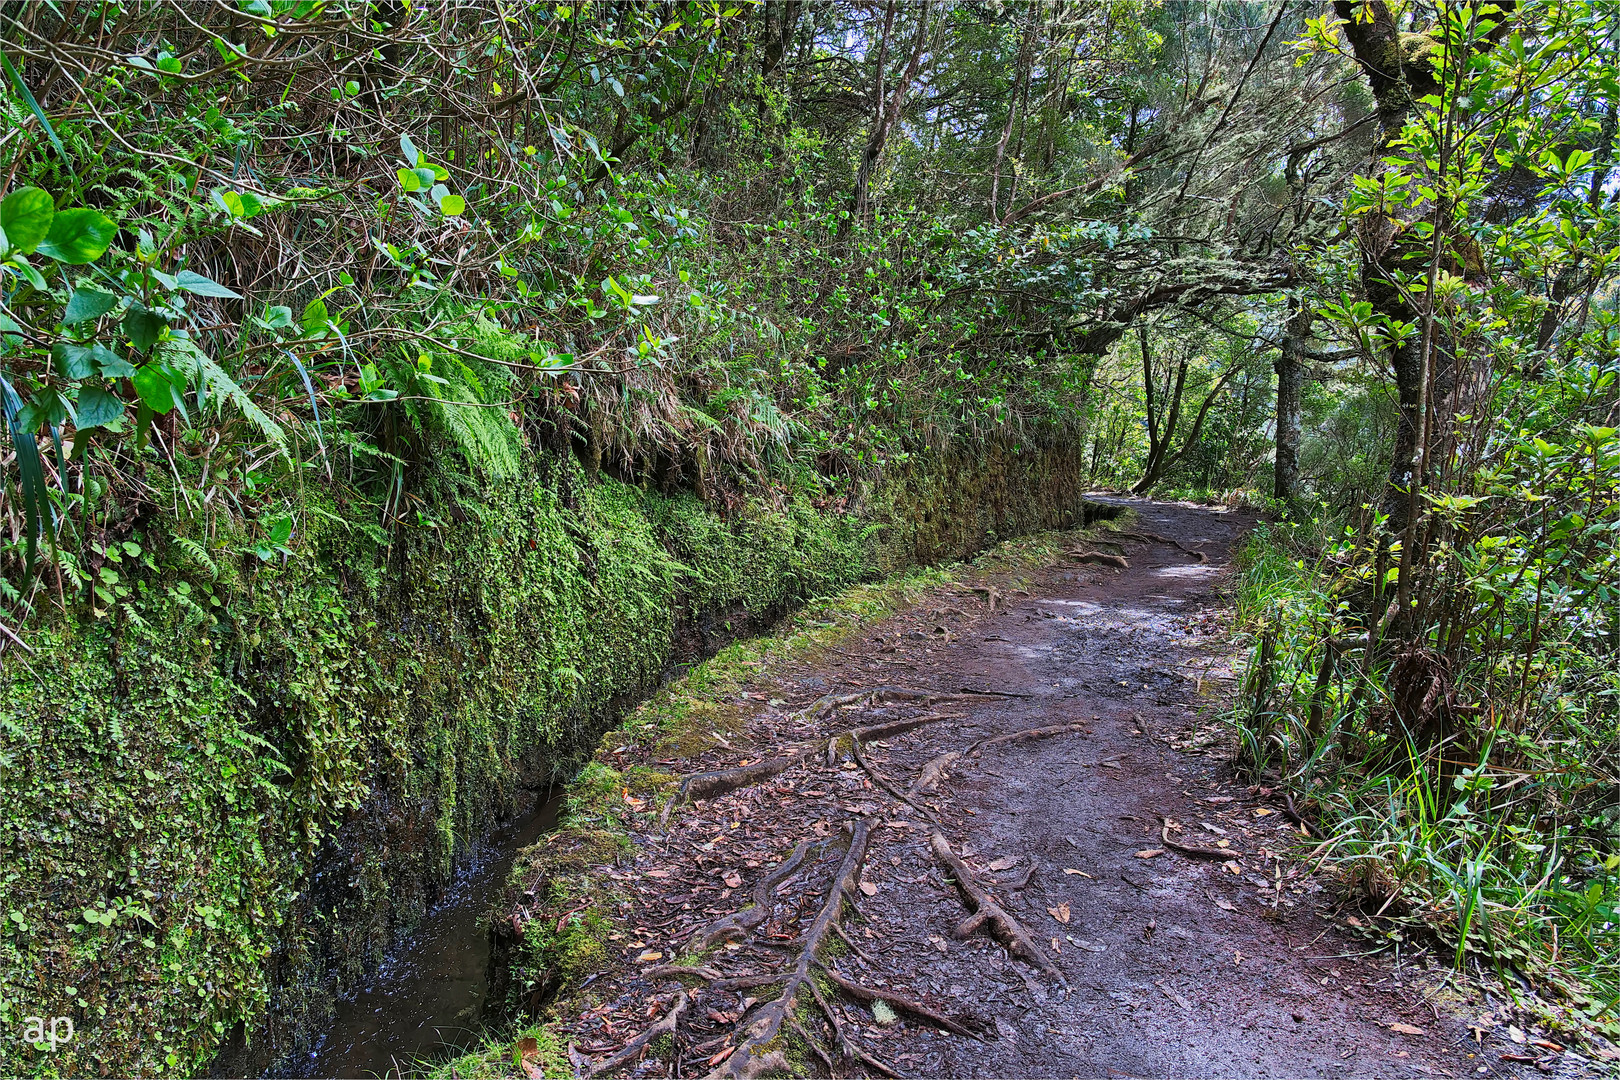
(408, 179)
(408, 148)
(278, 317)
(232, 202)
(73, 361)
(154, 388)
(315, 316)
(78, 236)
(143, 327)
(452, 205)
(111, 364)
(29, 274)
(87, 304)
(26, 216)
(97, 408)
(196, 283)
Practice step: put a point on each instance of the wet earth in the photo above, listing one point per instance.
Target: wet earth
(1172, 902)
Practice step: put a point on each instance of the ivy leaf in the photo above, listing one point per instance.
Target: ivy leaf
(202, 286)
(87, 304)
(97, 408)
(77, 237)
(26, 215)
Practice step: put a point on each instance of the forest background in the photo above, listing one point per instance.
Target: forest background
(294, 290)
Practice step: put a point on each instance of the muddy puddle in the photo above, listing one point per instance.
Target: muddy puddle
(426, 1001)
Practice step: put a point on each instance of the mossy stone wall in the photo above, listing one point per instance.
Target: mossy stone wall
(226, 800)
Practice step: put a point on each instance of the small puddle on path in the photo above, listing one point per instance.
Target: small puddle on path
(427, 999)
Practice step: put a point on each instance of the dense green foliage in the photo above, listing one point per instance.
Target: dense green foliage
(387, 384)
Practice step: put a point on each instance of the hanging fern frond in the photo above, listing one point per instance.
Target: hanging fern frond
(184, 356)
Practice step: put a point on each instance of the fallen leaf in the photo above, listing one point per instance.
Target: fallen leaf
(1082, 873)
(1263, 811)
(868, 888)
(1060, 913)
(649, 956)
(657, 873)
(733, 880)
(937, 941)
(1056, 947)
(1150, 853)
(1225, 904)
(1232, 866)
(721, 1056)
(1407, 1029)
(1546, 1044)
(1006, 862)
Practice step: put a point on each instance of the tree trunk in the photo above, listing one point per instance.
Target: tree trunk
(887, 113)
(1290, 366)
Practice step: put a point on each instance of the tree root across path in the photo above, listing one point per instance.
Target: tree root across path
(1025, 735)
(986, 910)
(708, 785)
(749, 918)
(1197, 851)
(755, 1055)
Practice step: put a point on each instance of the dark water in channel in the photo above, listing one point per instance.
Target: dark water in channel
(427, 999)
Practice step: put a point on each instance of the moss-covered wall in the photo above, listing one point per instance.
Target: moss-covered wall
(225, 800)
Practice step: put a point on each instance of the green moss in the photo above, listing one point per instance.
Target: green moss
(229, 794)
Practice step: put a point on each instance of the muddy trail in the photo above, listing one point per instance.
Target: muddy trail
(993, 837)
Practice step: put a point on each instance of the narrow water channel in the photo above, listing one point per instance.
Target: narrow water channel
(427, 999)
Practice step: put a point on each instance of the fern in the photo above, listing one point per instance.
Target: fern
(198, 555)
(184, 356)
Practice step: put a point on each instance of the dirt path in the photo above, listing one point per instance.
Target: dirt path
(1157, 962)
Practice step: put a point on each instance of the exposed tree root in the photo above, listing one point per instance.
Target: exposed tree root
(741, 922)
(668, 971)
(1101, 558)
(836, 744)
(931, 773)
(903, 1004)
(1155, 538)
(851, 1048)
(883, 782)
(1028, 733)
(751, 1057)
(1197, 851)
(829, 703)
(986, 910)
(706, 785)
(633, 1048)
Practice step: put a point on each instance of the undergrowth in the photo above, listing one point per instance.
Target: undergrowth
(1496, 845)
